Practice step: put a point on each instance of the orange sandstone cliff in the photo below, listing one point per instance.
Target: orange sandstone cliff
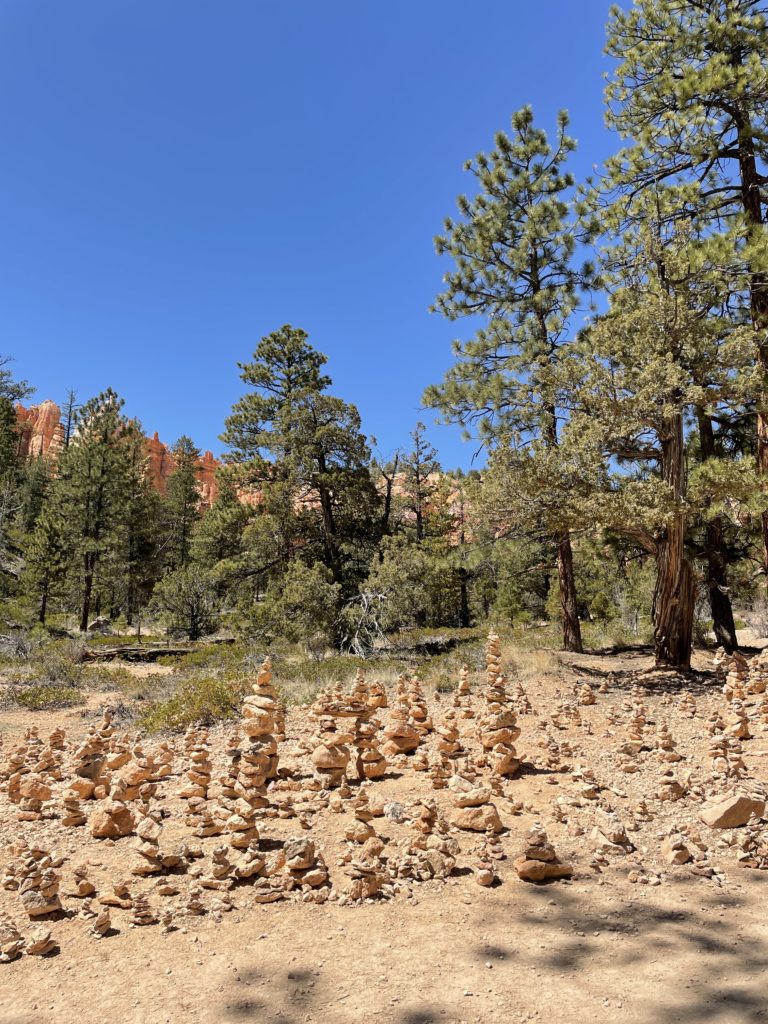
(43, 434)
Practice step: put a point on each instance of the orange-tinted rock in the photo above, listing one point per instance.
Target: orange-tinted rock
(41, 429)
(43, 434)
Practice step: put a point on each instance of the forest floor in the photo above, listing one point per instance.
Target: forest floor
(673, 945)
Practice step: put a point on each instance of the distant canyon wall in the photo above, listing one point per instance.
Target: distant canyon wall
(42, 434)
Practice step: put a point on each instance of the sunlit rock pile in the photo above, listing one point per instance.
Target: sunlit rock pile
(370, 794)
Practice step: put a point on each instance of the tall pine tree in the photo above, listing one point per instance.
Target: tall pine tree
(514, 253)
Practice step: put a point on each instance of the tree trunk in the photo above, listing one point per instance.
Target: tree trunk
(43, 606)
(568, 606)
(464, 619)
(717, 556)
(674, 596)
(751, 200)
(86, 608)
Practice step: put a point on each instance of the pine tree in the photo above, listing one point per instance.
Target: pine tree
(46, 557)
(690, 93)
(419, 468)
(514, 253)
(89, 496)
(657, 356)
(181, 506)
(303, 447)
(218, 536)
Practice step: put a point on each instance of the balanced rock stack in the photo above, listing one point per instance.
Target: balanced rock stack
(586, 695)
(199, 772)
(537, 861)
(377, 696)
(737, 721)
(464, 694)
(40, 942)
(726, 757)
(732, 670)
(368, 876)
(686, 705)
(241, 815)
(148, 830)
(401, 734)
(666, 746)
(142, 913)
(330, 747)
(497, 728)
(33, 791)
(754, 845)
(418, 708)
(39, 884)
(89, 761)
(258, 761)
(449, 742)
(305, 865)
(758, 674)
(221, 871)
(11, 940)
(359, 691)
(370, 757)
(112, 819)
(473, 808)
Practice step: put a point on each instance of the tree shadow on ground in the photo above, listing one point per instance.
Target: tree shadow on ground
(729, 979)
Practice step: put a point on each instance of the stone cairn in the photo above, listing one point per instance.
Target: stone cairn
(39, 883)
(253, 764)
(537, 861)
(473, 809)
(330, 746)
(758, 674)
(586, 695)
(199, 772)
(400, 734)
(11, 940)
(418, 709)
(754, 845)
(113, 819)
(666, 745)
(737, 721)
(307, 870)
(725, 755)
(497, 727)
(463, 700)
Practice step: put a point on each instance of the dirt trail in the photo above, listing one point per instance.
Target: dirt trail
(596, 949)
(569, 954)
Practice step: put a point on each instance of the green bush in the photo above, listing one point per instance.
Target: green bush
(43, 698)
(200, 700)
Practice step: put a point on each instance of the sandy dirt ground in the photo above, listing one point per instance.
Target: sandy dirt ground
(596, 948)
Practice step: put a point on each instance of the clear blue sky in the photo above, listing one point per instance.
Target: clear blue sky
(180, 177)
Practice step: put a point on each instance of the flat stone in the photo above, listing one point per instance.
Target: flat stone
(732, 811)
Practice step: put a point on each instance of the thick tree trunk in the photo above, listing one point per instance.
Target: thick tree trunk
(568, 606)
(674, 596)
(717, 556)
(717, 584)
(752, 204)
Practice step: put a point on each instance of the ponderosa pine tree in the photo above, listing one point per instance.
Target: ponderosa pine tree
(657, 356)
(419, 470)
(90, 491)
(293, 441)
(514, 252)
(46, 559)
(690, 96)
(218, 536)
(181, 504)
